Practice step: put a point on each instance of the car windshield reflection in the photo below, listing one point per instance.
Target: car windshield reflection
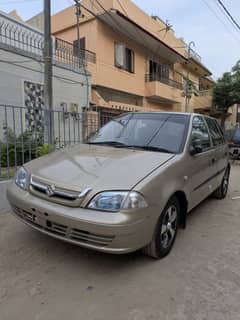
(160, 132)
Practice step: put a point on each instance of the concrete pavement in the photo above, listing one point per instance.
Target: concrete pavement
(3, 200)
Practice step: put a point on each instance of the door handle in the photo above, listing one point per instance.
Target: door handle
(214, 160)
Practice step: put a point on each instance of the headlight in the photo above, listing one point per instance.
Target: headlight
(22, 178)
(117, 200)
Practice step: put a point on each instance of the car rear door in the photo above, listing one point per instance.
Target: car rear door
(221, 149)
(202, 166)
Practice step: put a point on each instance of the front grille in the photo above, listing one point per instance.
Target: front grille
(63, 231)
(53, 191)
(48, 191)
(88, 237)
(56, 228)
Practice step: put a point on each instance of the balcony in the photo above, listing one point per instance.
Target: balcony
(66, 53)
(163, 89)
(203, 101)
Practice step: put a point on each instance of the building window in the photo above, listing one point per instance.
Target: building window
(158, 71)
(124, 57)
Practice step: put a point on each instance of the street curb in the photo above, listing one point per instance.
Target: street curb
(5, 181)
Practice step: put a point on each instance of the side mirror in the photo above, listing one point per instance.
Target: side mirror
(196, 147)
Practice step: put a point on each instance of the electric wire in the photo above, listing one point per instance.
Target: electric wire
(221, 21)
(87, 75)
(102, 7)
(166, 30)
(225, 16)
(147, 50)
(66, 80)
(228, 14)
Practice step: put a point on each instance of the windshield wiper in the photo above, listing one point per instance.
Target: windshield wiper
(149, 148)
(108, 143)
(123, 145)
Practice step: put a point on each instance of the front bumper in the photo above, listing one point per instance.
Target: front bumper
(117, 233)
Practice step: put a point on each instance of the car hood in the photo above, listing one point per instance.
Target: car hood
(98, 167)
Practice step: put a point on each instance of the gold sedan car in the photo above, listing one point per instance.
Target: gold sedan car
(129, 187)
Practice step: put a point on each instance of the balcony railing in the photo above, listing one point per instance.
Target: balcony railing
(21, 37)
(167, 81)
(66, 52)
(205, 93)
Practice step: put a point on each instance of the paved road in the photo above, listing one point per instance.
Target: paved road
(44, 279)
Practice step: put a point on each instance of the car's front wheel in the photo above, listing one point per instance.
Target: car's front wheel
(165, 231)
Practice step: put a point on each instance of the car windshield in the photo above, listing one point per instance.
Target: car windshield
(150, 131)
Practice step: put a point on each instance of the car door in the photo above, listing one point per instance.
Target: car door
(221, 147)
(202, 166)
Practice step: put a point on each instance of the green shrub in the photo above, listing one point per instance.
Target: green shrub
(16, 150)
(45, 149)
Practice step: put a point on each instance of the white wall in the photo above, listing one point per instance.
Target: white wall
(68, 86)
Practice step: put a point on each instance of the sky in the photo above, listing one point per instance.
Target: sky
(217, 41)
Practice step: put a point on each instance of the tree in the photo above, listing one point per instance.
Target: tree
(226, 92)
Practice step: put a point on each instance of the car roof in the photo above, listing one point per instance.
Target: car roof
(190, 114)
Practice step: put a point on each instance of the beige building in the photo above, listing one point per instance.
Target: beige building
(140, 64)
(37, 21)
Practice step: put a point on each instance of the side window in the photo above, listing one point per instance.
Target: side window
(200, 132)
(224, 140)
(215, 132)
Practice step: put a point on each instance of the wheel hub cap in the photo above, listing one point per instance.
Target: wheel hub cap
(169, 226)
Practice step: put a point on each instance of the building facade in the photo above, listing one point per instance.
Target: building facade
(140, 63)
(37, 21)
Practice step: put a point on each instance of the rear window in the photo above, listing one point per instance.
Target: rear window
(236, 136)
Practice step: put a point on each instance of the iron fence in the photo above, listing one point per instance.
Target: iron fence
(28, 40)
(22, 136)
(20, 36)
(66, 52)
(150, 77)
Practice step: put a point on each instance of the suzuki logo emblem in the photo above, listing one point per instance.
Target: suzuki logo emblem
(50, 190)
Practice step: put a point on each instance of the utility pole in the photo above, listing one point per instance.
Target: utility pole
(81, 55)
(78, 14)
(48, 114)
(187, 78)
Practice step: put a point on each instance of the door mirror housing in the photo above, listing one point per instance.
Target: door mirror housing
(196, 147)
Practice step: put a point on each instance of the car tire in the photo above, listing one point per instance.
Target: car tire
(222, 190)
(165, 232)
